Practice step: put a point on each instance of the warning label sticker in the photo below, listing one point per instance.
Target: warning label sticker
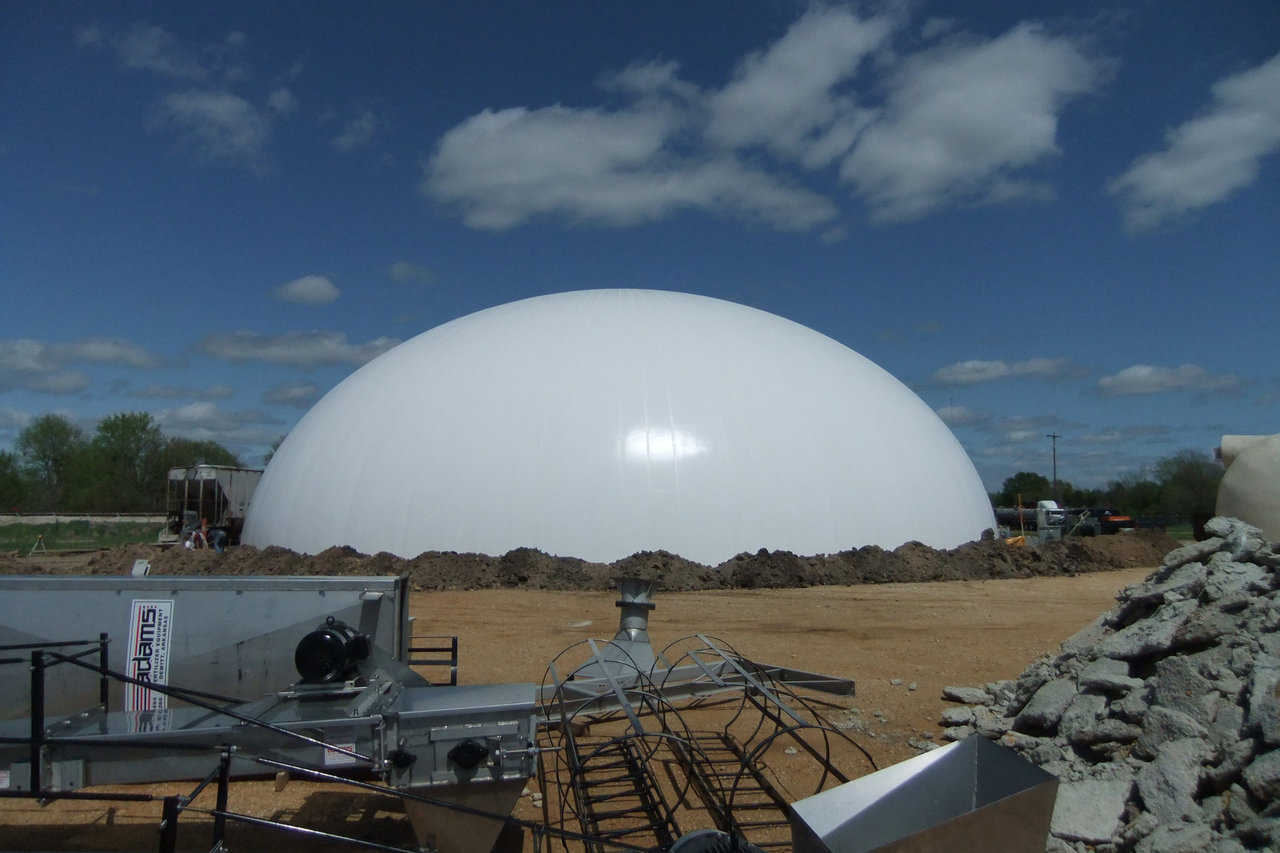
(147, 653)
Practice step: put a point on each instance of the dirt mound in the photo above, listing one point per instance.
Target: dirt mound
(533, 569)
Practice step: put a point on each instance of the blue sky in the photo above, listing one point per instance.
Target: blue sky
(1043, 217)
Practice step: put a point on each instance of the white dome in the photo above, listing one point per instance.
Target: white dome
(599, 423)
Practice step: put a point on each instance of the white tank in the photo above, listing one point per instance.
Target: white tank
(1250, 489)
(599, 423)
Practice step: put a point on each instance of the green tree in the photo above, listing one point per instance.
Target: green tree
(13, 486)
(1031, 486)
(1134, 494)
(124, 453)
(47, 446)
(1188, 483)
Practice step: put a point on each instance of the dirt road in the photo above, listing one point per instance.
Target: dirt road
(927, 634)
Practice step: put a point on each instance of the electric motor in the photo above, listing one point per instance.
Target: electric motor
(330, 653)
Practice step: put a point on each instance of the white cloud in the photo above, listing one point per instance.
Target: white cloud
(147, 47)
(304, 349)
(960, 416)
(1210, 157)
(975, 371)
(203, 420)
(960, 123)
(212, 392)
(786, 98)
(298, 394)
(88, 35)
(38, 366)
(934, 27)
(282, 102)
(358, 132)
(971, 372)
(963, 117)
(1150, 379)
(605, 167)
(308, 290)
(220, 126)
(11, 419)
(103, 351)
(405, 271)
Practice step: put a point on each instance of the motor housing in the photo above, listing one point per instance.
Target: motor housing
(331, 653)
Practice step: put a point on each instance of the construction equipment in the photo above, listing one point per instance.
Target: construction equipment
(212, 496)
(635, 748)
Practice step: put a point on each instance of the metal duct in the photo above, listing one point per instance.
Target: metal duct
(972, 796)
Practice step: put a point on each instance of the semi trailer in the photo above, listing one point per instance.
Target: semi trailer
(208, 497)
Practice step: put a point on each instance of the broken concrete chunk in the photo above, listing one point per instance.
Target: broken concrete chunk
(967, 695)
(1107, 675)
(1045, 707)
(1150, 636)
(1168, 784)
(1262, 713)
(1189, 553)
(1262, 777)
(1089, 810)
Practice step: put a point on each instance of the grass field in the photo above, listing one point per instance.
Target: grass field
(76, 535)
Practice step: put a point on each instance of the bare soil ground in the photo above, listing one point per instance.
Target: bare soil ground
(930, 634)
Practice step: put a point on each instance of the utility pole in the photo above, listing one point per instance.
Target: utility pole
(1053, 438)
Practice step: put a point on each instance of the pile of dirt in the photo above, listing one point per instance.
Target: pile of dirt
(533, 569)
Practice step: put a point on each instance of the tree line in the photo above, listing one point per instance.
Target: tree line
(1183, 485)
(121, 467)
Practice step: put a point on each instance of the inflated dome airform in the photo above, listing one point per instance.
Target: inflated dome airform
(599, 423)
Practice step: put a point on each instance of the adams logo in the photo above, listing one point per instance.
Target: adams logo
(147, 654)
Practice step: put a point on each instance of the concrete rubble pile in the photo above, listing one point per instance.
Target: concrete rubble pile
(1162, 718)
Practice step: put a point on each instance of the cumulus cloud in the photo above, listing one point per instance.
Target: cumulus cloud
(601, 166)
(960, 122)
(308, 290)
(204, 420)
(211, 392)
(786, 98)
(282, 102)
(38, 366)
(405, 271)
(14, 419)
(303, 349)
(143, 46)
(147, 47)
(1151, 379)
(975, 371)
(297, 394)
(1207, 158)
(960, 416)
(103, 351)
(963, 118)
(220, 126)
(358, 132)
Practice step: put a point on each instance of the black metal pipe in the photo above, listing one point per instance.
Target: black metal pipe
(168, 690)
(37, 718)
(121, 744)
(76, 795)
(28, 646)
(104, 683)
(169, 826)
(224, 782)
